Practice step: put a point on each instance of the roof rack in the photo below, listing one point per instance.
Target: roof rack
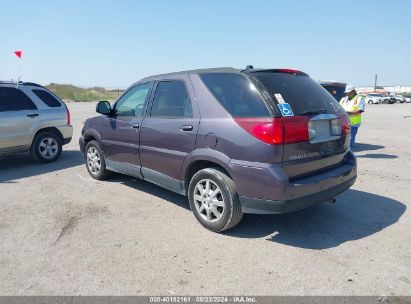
(33, 84)
(10, 82)
(21, 83)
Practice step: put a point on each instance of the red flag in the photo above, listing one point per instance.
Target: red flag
(18, 53)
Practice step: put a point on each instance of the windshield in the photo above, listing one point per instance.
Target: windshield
(302, 93)
(335, 90)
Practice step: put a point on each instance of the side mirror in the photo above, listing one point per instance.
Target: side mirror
(103, 107)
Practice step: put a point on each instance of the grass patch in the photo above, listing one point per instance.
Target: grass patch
(68, 92)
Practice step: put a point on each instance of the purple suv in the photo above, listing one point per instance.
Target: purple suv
(234, 141)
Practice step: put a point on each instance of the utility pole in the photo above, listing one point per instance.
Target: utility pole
(375, 83)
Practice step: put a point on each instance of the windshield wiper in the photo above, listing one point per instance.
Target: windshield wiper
(313, 112)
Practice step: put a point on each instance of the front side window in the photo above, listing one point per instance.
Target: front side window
(133, 101)
(171, 100)
(12, 99)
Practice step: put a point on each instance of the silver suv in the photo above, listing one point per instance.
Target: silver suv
(33, 119)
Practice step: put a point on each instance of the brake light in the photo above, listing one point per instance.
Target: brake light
(275, 131)
(289, 71)
(345, 124)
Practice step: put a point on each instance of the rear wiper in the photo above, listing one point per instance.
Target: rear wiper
(313, 112)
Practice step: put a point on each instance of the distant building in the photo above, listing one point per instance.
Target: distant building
(385, 89)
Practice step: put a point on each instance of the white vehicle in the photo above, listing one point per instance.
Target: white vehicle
(373, 98)
(408, 99)
(400, 98)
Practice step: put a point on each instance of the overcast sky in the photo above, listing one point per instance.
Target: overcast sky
(115, 43)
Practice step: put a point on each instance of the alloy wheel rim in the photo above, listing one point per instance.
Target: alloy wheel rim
(48, 147)
(93, 160)
(209, 200)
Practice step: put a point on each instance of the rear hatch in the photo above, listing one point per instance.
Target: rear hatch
(320, 124)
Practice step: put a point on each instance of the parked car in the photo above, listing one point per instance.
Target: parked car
(32, 119)
(233, 141)
(335, 88)
(407, 99)
(374, 98)
(390, 99)
(400, 98)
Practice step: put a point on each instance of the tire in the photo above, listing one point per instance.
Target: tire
(46, 147)
(221, 211)
(370, 101)
(96, 161)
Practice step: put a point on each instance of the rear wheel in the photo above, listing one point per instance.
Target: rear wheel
(95, 161)
(46, 147)
(370, 101)
(214, 200)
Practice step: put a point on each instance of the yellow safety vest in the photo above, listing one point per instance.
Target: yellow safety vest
(351, 105)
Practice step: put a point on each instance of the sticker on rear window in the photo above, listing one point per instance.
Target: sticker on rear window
(279, 98)
(285, 109)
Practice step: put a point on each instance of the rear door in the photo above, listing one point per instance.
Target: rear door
(19, 117)
(169, 132)
(326, 119)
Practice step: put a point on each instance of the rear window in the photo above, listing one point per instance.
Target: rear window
(47, 98)
(236, 94)
(12, 99)
(302, 93)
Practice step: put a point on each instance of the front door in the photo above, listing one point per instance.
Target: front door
(120, 134)
(168, 133)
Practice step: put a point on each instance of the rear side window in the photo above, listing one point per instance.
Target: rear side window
(47, 98)
(302, 93)
(171, 100)
(12, 99)
(236, 94)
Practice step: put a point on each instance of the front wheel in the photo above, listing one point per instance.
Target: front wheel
(95, 161)
(214, 200)
(370, 102)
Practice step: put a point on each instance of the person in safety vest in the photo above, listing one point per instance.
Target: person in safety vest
(354, 105)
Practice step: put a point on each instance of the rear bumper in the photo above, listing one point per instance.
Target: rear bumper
(265, 188)
(259, 206)
(66, 132)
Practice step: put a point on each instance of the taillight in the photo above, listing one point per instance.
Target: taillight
(275, 131)
(68, 116)
(345, 124)
(267, 130)
(335, 127)
(295, 129)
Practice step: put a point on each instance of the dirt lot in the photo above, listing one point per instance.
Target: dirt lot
(62, 233)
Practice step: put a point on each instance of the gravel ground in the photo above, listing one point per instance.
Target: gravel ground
(62, 233)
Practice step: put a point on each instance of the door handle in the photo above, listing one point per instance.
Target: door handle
(32, 115)
(135, 126)
(187, 128)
